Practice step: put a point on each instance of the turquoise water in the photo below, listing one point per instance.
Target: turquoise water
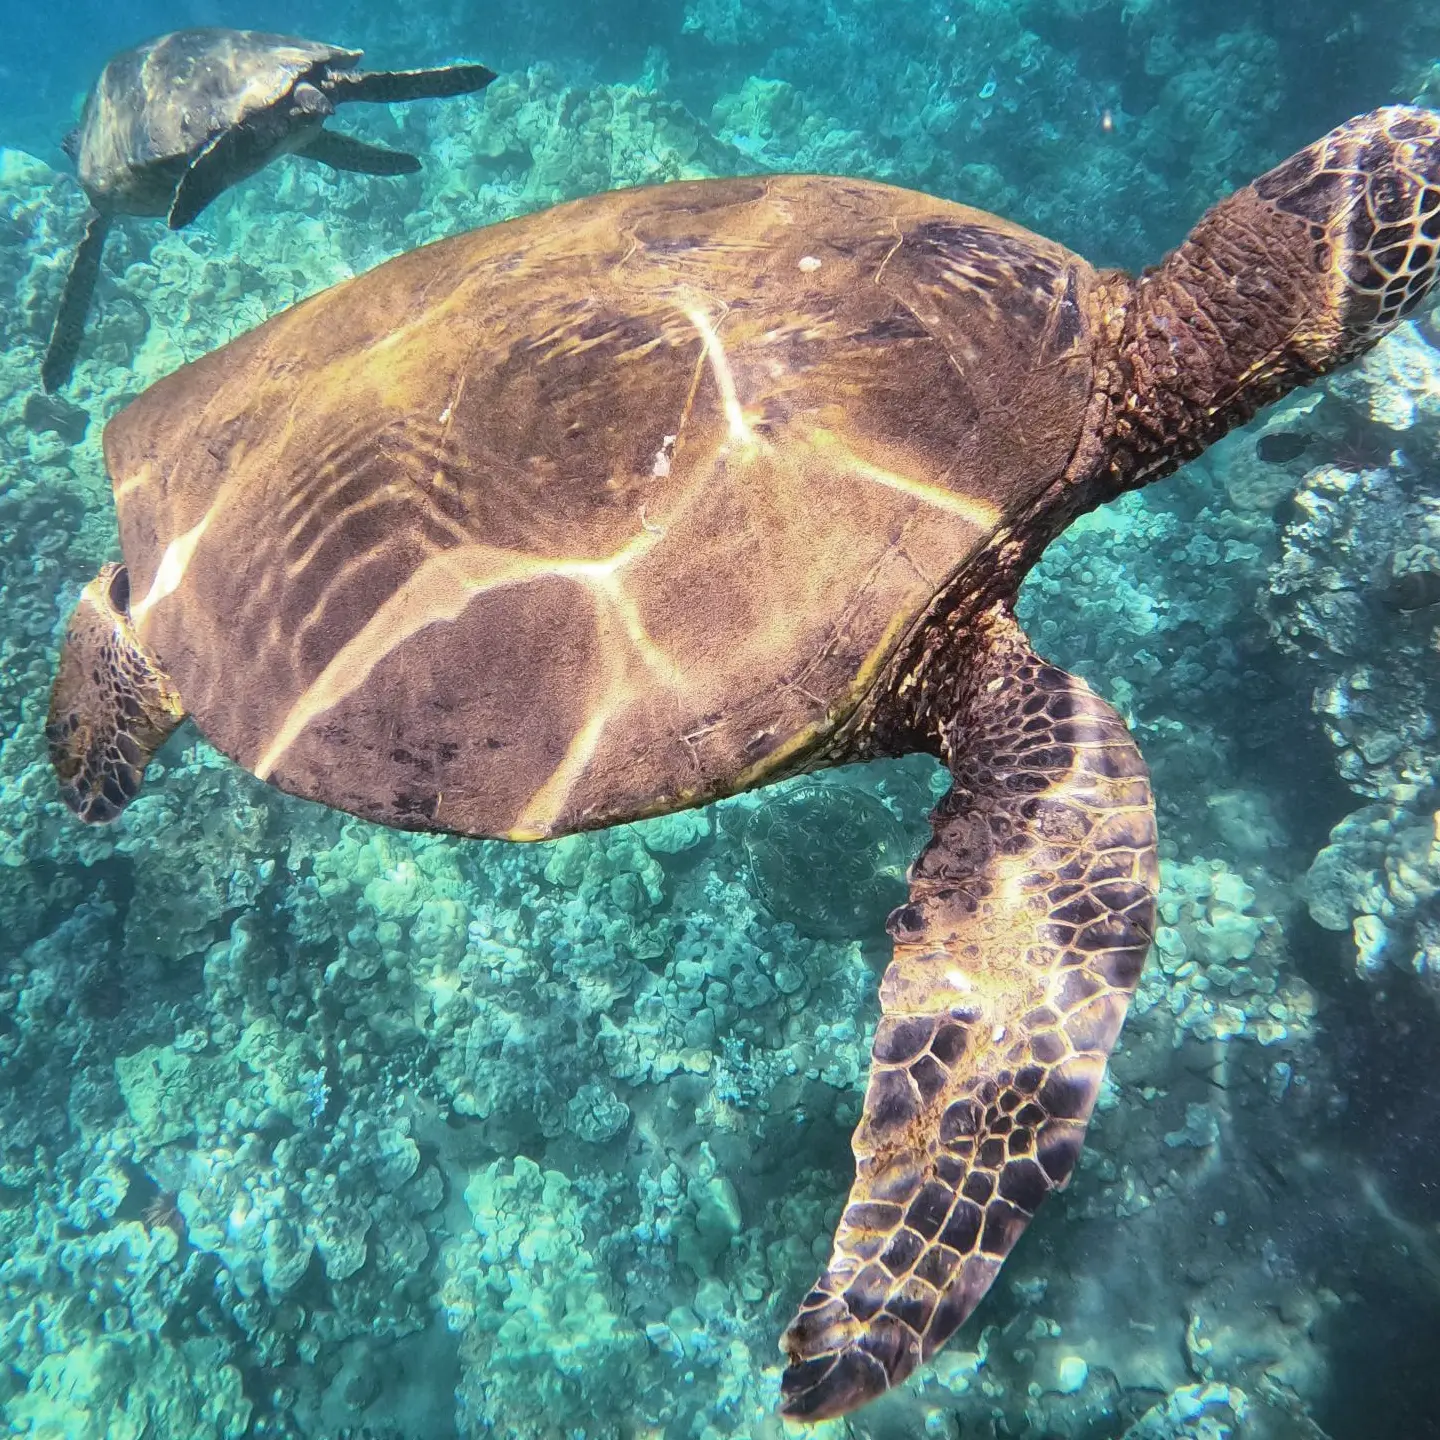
(314, 1128)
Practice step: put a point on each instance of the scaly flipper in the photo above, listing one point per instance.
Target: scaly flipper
(111, 708)
(344, 152)
(75, 299)
(1030, 915)
(390, 87)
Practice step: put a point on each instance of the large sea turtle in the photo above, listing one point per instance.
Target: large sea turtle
(667, 493)
(172, 123)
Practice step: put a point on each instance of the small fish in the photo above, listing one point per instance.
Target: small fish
(988, 89)
(1278, 446)
(1414, 590)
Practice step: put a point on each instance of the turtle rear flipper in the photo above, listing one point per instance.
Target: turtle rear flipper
(345, 152)
(69, 326)
(1030, 915)
(390, 87)
(111, 708)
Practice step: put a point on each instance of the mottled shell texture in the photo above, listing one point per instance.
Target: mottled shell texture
(601, 512)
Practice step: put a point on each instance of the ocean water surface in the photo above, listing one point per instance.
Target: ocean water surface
(311, 1127)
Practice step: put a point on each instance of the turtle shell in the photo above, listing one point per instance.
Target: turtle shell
(156, 106)
(601, 512)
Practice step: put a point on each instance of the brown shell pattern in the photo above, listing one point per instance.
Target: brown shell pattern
(601, 512)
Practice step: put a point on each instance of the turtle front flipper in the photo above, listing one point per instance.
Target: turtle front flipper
(111, 708)
(213, 171)
(69, 326)
(239, 151)
(391, 87)
(345, 152)
(1030, 915)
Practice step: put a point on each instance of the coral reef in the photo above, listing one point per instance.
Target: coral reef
(308, 1128)
(1378, 878)
(1352, 601)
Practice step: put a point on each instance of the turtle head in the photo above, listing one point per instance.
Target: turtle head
(111, 706)
(1300, 271)
(1368, 198)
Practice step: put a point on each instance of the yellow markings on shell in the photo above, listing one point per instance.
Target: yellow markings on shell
(440, 589)
(774, 765)
(537, 822)
(171, 570)
(378, 388)
(137, 481)
(984, 516)
(538, 819)
(656, 661)
(740, 431)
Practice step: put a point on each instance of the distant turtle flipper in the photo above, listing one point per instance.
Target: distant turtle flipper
(203, 181)
(388, 87)
(69, 326)
(239, 151)
(1030, 915)
(345, 152)
(112, 706)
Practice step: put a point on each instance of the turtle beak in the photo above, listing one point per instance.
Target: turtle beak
(1370, 192)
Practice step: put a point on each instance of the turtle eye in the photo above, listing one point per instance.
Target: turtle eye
(119, 592)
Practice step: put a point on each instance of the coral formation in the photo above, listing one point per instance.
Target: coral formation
(308, 1128)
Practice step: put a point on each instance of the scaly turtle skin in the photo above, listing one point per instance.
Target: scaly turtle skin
(172, 123)
(664, 494)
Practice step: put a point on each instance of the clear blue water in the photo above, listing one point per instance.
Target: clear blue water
(310, 1127)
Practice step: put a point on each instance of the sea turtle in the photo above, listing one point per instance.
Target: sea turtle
(173, 122)
(843, 891)
(667, 493)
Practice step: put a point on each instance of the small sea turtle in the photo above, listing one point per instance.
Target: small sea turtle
(173, 122)
(671, 492)
(828, 858)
